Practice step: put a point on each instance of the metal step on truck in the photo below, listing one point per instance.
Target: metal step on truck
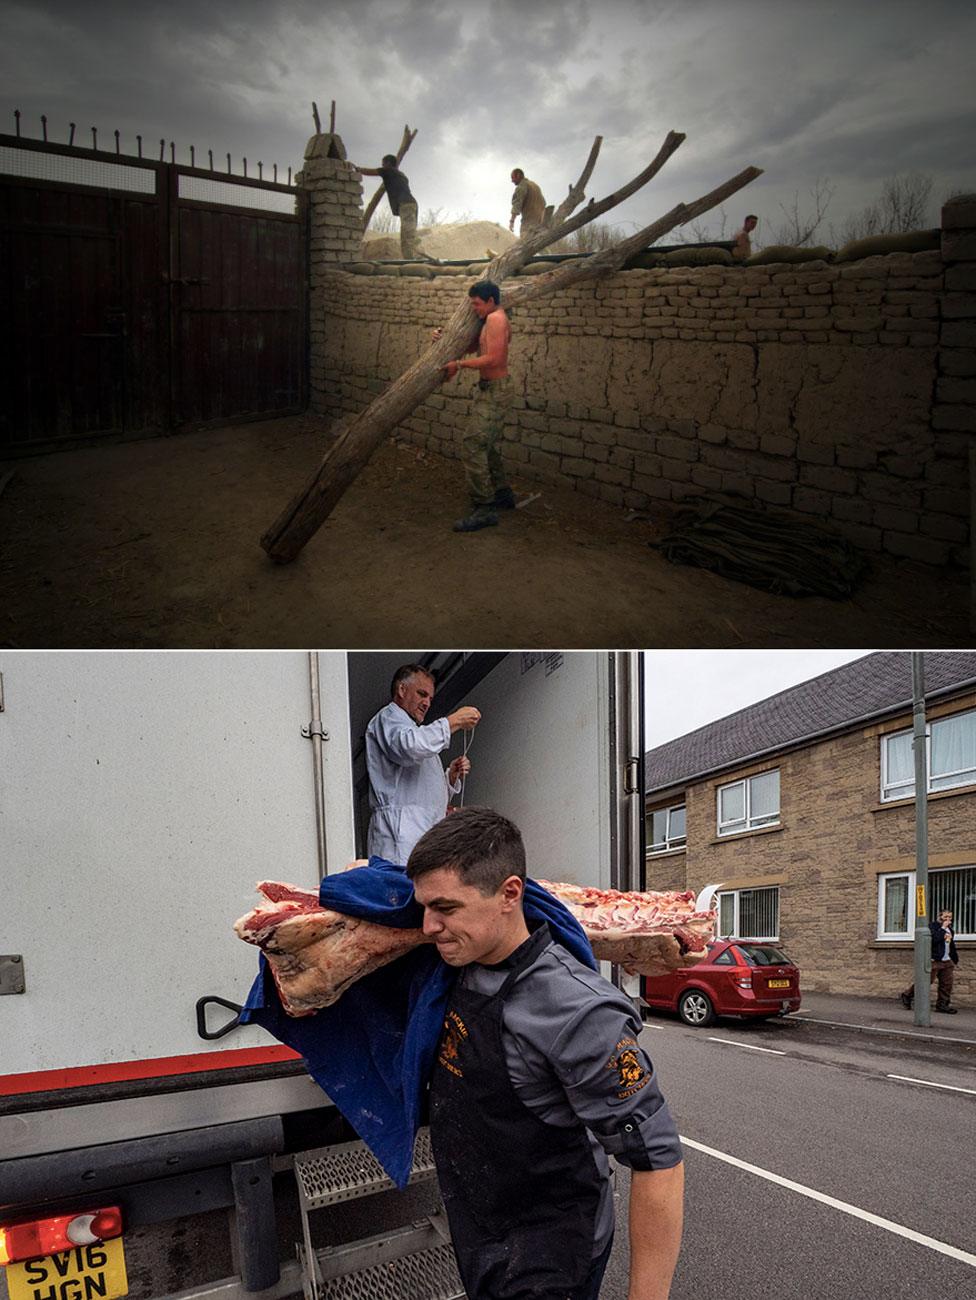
(150, 1144)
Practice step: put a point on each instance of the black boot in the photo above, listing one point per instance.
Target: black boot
(504, 499)
(946, 1010)
(480, 517)
(906, 1001)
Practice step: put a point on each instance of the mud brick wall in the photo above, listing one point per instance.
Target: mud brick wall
(833, 390)
(955, 408)
(834, 840)
(335, 197)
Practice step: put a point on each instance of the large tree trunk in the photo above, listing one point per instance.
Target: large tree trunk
(358, 438)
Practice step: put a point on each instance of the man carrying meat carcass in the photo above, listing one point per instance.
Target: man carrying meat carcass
(409, 790)
(539, 1078)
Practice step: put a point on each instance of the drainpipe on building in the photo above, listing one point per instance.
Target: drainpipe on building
(923, 936)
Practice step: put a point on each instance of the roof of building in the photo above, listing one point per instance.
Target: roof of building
(866, 688)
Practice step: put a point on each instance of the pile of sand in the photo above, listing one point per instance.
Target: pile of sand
(467, 239)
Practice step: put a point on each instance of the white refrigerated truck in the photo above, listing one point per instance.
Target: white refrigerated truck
(141, 796)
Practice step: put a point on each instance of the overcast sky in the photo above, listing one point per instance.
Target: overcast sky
(854, 91)
(685, 689)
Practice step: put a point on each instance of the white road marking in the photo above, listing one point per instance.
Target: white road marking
(928, 1084)
(898, 1229)
(773, 1051)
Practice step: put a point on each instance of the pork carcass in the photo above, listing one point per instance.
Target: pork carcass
(315, 953)
(647, 933)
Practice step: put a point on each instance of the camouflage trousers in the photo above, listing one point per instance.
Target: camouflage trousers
(409, 243)
(479, 443)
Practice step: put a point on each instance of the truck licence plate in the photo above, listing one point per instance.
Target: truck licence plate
(81, 1273)
(779, 984)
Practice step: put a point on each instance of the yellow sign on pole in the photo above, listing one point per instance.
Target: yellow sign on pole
(919, 900)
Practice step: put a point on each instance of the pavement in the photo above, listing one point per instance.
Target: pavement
(886, 1016)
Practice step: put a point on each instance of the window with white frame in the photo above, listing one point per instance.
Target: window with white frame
(951, 889)
(666, 829)
(951, 750)
(749, 913)
(748, 804)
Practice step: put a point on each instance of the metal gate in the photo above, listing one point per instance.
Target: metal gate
(143, 297)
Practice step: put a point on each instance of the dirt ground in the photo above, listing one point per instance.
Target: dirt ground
(155, 544)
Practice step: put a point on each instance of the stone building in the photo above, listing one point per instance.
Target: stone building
(802, 808)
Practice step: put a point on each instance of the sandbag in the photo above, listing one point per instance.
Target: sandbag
(912, 241)
(787, 253)
(697, 257)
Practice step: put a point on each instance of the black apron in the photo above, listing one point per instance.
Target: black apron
(521, 1195)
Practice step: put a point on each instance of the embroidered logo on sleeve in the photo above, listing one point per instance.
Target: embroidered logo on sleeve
(455, 1032)
(626, 1063)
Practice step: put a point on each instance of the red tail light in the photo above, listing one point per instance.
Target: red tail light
(36, 1237)
(744, 979)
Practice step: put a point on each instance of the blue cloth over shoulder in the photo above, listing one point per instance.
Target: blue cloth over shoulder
(372, 1050)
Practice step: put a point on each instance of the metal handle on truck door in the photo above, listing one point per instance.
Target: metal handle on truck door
(202, 1029)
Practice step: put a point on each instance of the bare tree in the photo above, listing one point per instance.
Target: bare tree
(798, 227)
(902, 205)
(384, 223)
(357, 438)
(703, 232)
(589, 239)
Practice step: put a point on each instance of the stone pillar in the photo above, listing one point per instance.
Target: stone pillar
(335, 200)
(955, 396)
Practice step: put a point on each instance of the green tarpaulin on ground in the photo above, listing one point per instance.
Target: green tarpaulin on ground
(767, 549)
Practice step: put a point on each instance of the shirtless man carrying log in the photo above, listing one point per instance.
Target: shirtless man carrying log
(487, 482)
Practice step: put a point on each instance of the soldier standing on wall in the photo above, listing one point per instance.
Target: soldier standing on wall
(527, 201)
(402, 204)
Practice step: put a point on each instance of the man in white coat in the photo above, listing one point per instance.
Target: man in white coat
(409, 789)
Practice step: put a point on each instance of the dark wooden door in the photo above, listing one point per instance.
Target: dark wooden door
(62, 324)
(239, 314)
(134, 310)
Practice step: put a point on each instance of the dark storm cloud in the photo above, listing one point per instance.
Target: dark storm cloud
(854, 91)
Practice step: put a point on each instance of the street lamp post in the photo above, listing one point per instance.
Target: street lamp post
(923, 936)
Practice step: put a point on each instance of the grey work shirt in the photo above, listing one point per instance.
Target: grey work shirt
(572, 1050)
(409, 789)
(397, 188)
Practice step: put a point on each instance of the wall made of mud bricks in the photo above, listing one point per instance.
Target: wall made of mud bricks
(813, 387)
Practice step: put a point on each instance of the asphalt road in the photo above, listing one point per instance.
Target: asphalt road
(809, 1104)
(816, 1107)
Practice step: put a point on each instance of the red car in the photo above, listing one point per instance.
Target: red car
(738, 977)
